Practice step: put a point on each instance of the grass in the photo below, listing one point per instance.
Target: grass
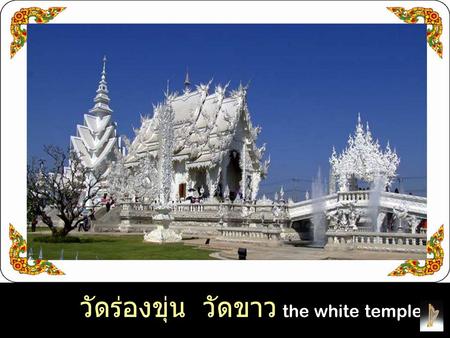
(113, 247)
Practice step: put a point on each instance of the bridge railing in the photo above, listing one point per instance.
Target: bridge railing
(363, 195)
(377, 241)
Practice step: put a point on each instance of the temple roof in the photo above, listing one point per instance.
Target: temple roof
(205, 125)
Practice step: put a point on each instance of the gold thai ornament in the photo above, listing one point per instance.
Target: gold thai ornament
(22, 17)
(431, 265)
(19, 260)
(430, 17)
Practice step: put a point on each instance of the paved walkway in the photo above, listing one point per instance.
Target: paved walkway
(228, 250)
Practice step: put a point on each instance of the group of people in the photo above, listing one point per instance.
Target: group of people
(107, 201)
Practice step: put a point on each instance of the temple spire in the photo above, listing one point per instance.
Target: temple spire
(368, 133)
(359, 126)
(104, 67)
(187, 82)
(101, 99)
(96, 141)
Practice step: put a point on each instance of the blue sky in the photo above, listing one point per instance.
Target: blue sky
(307, 84)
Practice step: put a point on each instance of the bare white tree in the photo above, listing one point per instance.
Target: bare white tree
(66, 186)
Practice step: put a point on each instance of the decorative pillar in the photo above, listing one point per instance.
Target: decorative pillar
(224, 164)
(244, 169)
(209, 182)
(256, 179)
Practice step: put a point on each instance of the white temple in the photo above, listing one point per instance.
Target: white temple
(215, 151)
(363, 159)
(96, 141)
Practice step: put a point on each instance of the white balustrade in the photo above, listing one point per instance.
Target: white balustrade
(378, 241)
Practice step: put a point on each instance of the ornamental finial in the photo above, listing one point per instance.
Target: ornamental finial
(101, 99)
(187, 82)
(359, 126)
(104, 65)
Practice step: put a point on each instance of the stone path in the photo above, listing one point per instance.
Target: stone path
(228, 250)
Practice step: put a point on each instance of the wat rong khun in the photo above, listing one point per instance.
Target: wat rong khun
(194, 168)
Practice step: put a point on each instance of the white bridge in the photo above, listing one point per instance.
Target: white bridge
(388, 203)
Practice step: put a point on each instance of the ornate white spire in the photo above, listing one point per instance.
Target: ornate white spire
(363, 159)
(101, 100)
(368, 132)
(96, 139)
(104, 66)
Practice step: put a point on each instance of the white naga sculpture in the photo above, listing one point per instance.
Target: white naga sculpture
(345, 217)
(404, 220)
(363, 159)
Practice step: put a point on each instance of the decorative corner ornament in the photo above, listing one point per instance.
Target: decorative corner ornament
(431, 265)
(22, 17)
(21, 263)
(430, 17)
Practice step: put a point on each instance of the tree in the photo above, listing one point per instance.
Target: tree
(67, 187)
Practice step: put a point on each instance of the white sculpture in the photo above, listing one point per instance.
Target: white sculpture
(405, 221)
(345, 218)
(119, 179)
(163, 234)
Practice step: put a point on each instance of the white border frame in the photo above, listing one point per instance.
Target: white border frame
(13, 132)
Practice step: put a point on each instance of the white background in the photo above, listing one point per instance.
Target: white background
(14, 117)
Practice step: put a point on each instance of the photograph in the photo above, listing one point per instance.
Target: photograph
(226, 141)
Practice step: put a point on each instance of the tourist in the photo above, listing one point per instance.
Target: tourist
(92, 215)
(106, 202)
(84, 221)
(396, 190)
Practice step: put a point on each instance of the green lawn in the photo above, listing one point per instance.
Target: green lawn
(38, 229)
(114, 247)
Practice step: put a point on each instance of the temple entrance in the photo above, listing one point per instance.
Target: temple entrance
(199, 181)
(234, 175)
(182, 190)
